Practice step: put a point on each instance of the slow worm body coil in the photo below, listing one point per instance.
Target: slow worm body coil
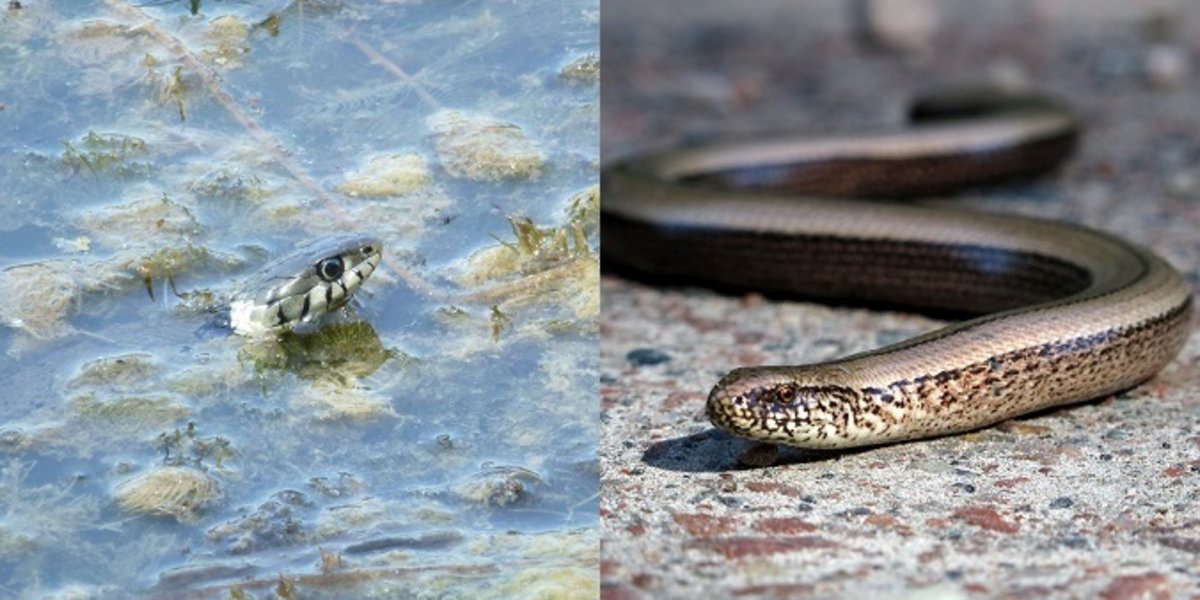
(1062, 313)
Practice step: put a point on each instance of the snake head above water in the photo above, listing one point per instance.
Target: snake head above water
(316, 279)
(795, 406)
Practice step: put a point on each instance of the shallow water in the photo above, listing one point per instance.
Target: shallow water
(437, 438)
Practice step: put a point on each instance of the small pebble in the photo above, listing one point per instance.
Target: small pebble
(1182, 184)
(1166, 67)
(907, 26)
(1076, 542)
(1008, 74)
(644, 357)
(1062, 502)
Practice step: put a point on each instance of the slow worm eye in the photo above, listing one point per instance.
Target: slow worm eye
(330, 269)
(785, 394)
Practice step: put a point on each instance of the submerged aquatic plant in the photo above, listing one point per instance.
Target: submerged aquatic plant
(388, 175)
(177, 492)
(184, 447)
(41, 517)
(554, 267)
(538, 249)
(42, 295)
(341, 398)
(500, 486)
(584, 69)
(481, 148)
(106, 152)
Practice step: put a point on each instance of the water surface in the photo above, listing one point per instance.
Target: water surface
(439, 438)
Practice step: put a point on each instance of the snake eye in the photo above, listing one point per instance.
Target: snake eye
(368, 250)
(785, 394)
(330, 269)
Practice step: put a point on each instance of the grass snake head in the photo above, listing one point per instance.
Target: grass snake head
(317, 278)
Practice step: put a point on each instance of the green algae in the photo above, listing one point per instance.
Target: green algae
(151, 218)
(583, 69)
(121, 372)
(394, 174)
(340, 399)
(481, 148)
(500, 486)
(129, 413)
(537, 249)
(100, 153)
(36, 518)
(176, 492)
(42, 295)
(227, 38)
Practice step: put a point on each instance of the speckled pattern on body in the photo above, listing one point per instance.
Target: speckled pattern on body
(1011, 384)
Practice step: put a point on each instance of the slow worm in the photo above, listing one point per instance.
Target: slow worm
(1061, 313)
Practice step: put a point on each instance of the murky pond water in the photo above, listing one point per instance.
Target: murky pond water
(437, 438)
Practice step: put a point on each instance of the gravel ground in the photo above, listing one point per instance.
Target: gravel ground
(1100, 499)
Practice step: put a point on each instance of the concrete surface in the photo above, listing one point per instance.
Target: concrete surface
(1097, 500)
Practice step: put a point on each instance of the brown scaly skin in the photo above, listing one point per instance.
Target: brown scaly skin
(1062, 313)
(804, 406)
